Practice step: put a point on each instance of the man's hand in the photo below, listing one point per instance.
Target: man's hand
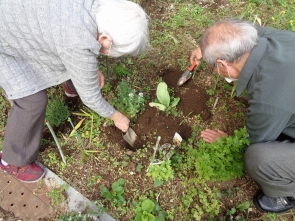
(100, 79)
(196, 56)
(210, 136)
(121, 121)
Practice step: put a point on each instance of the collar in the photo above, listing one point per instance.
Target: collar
(251, 64)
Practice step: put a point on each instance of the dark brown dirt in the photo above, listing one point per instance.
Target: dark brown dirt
(153, 122)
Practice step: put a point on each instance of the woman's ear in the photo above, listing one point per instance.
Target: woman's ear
(104, 39)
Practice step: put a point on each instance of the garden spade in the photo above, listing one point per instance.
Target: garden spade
(187, 74)
(130, 136)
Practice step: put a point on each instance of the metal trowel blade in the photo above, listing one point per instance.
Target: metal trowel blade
(130, 136)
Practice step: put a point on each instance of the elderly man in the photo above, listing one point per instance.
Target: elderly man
(262, 61)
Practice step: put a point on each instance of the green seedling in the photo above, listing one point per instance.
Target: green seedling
(144, 211)
(117, 194)
(121, 70)
(241, 207)
(164, 98)
(57, 195)
(149, 210)
(93, 180)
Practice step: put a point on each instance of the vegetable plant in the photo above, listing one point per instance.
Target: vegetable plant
(165, 101)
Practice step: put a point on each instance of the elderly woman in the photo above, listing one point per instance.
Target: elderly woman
(44, 43)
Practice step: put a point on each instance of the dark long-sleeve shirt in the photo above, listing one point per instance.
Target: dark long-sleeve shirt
(269, 77)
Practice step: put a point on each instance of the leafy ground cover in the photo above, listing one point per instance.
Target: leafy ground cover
(194, 181)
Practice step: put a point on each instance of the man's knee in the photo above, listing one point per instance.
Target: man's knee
(255, 157)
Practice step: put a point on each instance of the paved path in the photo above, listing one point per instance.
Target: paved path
(30, 202)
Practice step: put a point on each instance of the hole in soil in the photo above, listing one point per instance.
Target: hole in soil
(24, 205)
(10, 192)
(22, 194)
(11, 204)
(153, 122)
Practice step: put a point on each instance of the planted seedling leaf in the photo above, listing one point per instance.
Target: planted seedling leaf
(162, 94)
(157, 105)
(175, 102)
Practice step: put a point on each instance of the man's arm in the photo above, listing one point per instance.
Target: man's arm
(266, 122)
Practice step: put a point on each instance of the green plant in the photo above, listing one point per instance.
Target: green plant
(53, 160)
(166, 103)
(90, 128)
(129, 102)
(161, 172)
(211, 91)
(107, 88)
(121, 70)
(57, 194)
(126, 160)
(57, 112)
(93, 180)
(144, 211)
(269, 217)
(241, 207)
(223, 159)
(117, 194)
(208, 204)
(149, 210)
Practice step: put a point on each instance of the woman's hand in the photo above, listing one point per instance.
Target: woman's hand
(210, 136)
(100, 79)
(196, 56)
(121, 121)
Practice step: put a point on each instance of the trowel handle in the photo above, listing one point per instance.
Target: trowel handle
(193, 65)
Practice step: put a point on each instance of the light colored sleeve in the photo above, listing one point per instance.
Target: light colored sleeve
(82, 66)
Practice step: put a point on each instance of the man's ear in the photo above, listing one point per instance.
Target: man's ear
(223, 64)
(104, 38)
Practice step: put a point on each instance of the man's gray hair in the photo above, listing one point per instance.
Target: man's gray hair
(126, 23)
(228, 40)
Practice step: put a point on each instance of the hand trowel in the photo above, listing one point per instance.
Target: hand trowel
(130, 136)
(186, 75)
